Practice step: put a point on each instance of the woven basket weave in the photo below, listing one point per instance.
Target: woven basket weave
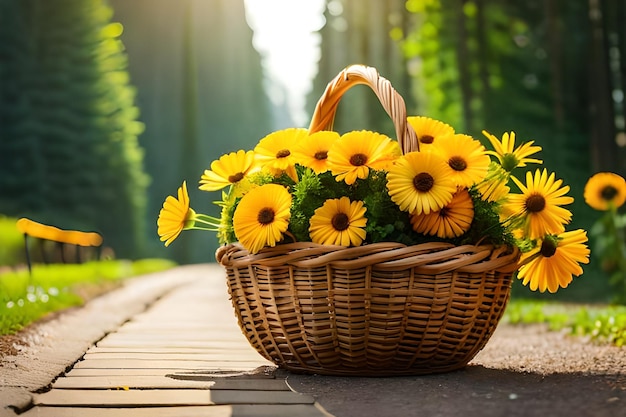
(375, 310)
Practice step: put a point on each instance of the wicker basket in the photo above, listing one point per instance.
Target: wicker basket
(375, 310)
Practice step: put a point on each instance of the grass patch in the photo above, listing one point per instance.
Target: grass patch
(25, 299)
(600, 323)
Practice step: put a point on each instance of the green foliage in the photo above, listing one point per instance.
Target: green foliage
(308, 194)
(432, 41)
(600, 323)
(609, 239)
(69, 154)
(606, 325)
(385, 221)
(54, 287)
(486, 226)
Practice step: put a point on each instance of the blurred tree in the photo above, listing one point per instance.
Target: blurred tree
(544, 68)
(200, 88)
(431, 48)
(68, 125)
(607, 72)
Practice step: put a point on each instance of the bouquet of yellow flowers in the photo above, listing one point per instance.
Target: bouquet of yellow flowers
(355, 254)
(358, 188)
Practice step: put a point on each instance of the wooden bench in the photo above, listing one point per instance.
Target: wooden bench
(61, 237)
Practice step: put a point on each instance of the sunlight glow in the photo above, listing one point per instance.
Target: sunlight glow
(285, 34)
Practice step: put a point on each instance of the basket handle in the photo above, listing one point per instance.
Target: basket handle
(324, 114)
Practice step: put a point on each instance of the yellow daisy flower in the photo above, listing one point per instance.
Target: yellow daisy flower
(466, 156)
(429, 130)
(420, 182)
(312, 151)
(509, 156)
(262, 217)
(356, 152)
(175, 216)
(230, 169)
(275, 151)
(605, 190)
(494, 186)
(339, 222)
(538, 206)
(552, 264)
(450, 221)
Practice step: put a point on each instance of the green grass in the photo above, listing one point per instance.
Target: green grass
(598, 322)
(25, 299)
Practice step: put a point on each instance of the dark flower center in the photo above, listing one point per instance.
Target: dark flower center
(340, 221)
(535, 203)
(283, 153)
(358, 159)
(427, 139)
(235, 178)
(321, 155)
(457, 163)
(548, 247)
(266, 216)
(423, 181)
(608, 193)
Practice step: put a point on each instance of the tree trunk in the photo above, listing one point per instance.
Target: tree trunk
(603, 152)
(555, 45)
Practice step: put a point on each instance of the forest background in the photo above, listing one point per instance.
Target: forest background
(106, 106)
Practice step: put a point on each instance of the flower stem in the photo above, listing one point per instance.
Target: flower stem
(204, 222)
(618, 232)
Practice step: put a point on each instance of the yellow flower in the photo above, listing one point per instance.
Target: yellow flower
(229, 169)
(429, 130)
(262, 217)
(509, 156)
(175, 216)
(354, 153)
(538, 207)
(605, 190)
(452, 220)
(312, 151)
(420, 182)
(339, 222)
(466, 156)
(552, 264)
(494, 186)
(275, 151)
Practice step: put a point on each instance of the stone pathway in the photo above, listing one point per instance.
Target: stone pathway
(183, 356)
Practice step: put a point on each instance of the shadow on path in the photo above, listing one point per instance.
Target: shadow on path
(473, 391)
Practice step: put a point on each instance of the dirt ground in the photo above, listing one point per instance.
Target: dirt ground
(523, 371)
(9, 345)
